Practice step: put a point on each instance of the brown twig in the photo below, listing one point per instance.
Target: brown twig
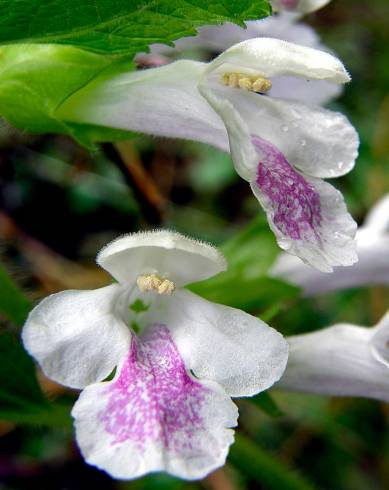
(150, 200)
(54, 271)
(218, 480)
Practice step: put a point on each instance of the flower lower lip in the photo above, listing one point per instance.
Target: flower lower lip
(296, 204)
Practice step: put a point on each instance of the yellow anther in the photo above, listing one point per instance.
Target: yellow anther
(166, 287)
(253, 83)
(245, 83)
(152, 282)
(261, 85)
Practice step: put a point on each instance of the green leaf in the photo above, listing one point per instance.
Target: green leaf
(19, 389)
(267, 404)
(21, 398)
(234, 289)
(117, 26)
(13, 304)
(51, 415)
(266, 470)
(36, 79)
(245, 284)
(253, 250)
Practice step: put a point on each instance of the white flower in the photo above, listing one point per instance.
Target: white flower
(343, 360)
(168, 406)
(217, 38)
(299, 6)
(282, 148)
(372, 267)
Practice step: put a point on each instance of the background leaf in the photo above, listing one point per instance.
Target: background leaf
(19, 389)
(13, 303)
(246, 284)
(266, 403)
(36, 79)
(21, 398)
(263, 468)
(117, 26)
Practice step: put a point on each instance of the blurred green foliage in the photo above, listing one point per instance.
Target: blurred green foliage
(13, 303)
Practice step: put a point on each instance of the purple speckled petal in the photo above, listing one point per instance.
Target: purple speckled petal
(296, 204)
(307, 215)
(154, 415)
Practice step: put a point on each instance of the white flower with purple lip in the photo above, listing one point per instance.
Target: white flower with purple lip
(342, 360)
(281, 147)
(169, 404)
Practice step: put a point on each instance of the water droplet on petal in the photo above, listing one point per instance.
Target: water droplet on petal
(303, 142)
(340, 165)
(284, 128)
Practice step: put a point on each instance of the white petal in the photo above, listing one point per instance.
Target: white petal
(379, 342)
(77, 336)
(154, 416)
(274, 57)
(312, 93)
(218, 38)
(371, 269)
(307, 215)
(320, 142)
(167, 253)
(223, 344)
(336, 361)
(283, 26)
(377, 218)
(301, 6)
(161, 101)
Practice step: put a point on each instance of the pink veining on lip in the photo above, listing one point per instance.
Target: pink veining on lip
(154, 398)
(295, 202)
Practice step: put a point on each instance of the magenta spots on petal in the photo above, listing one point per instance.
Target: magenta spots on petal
(294, 203)
(154, 398)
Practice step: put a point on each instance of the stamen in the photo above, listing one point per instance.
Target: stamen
(152, 282)
(253, 83)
